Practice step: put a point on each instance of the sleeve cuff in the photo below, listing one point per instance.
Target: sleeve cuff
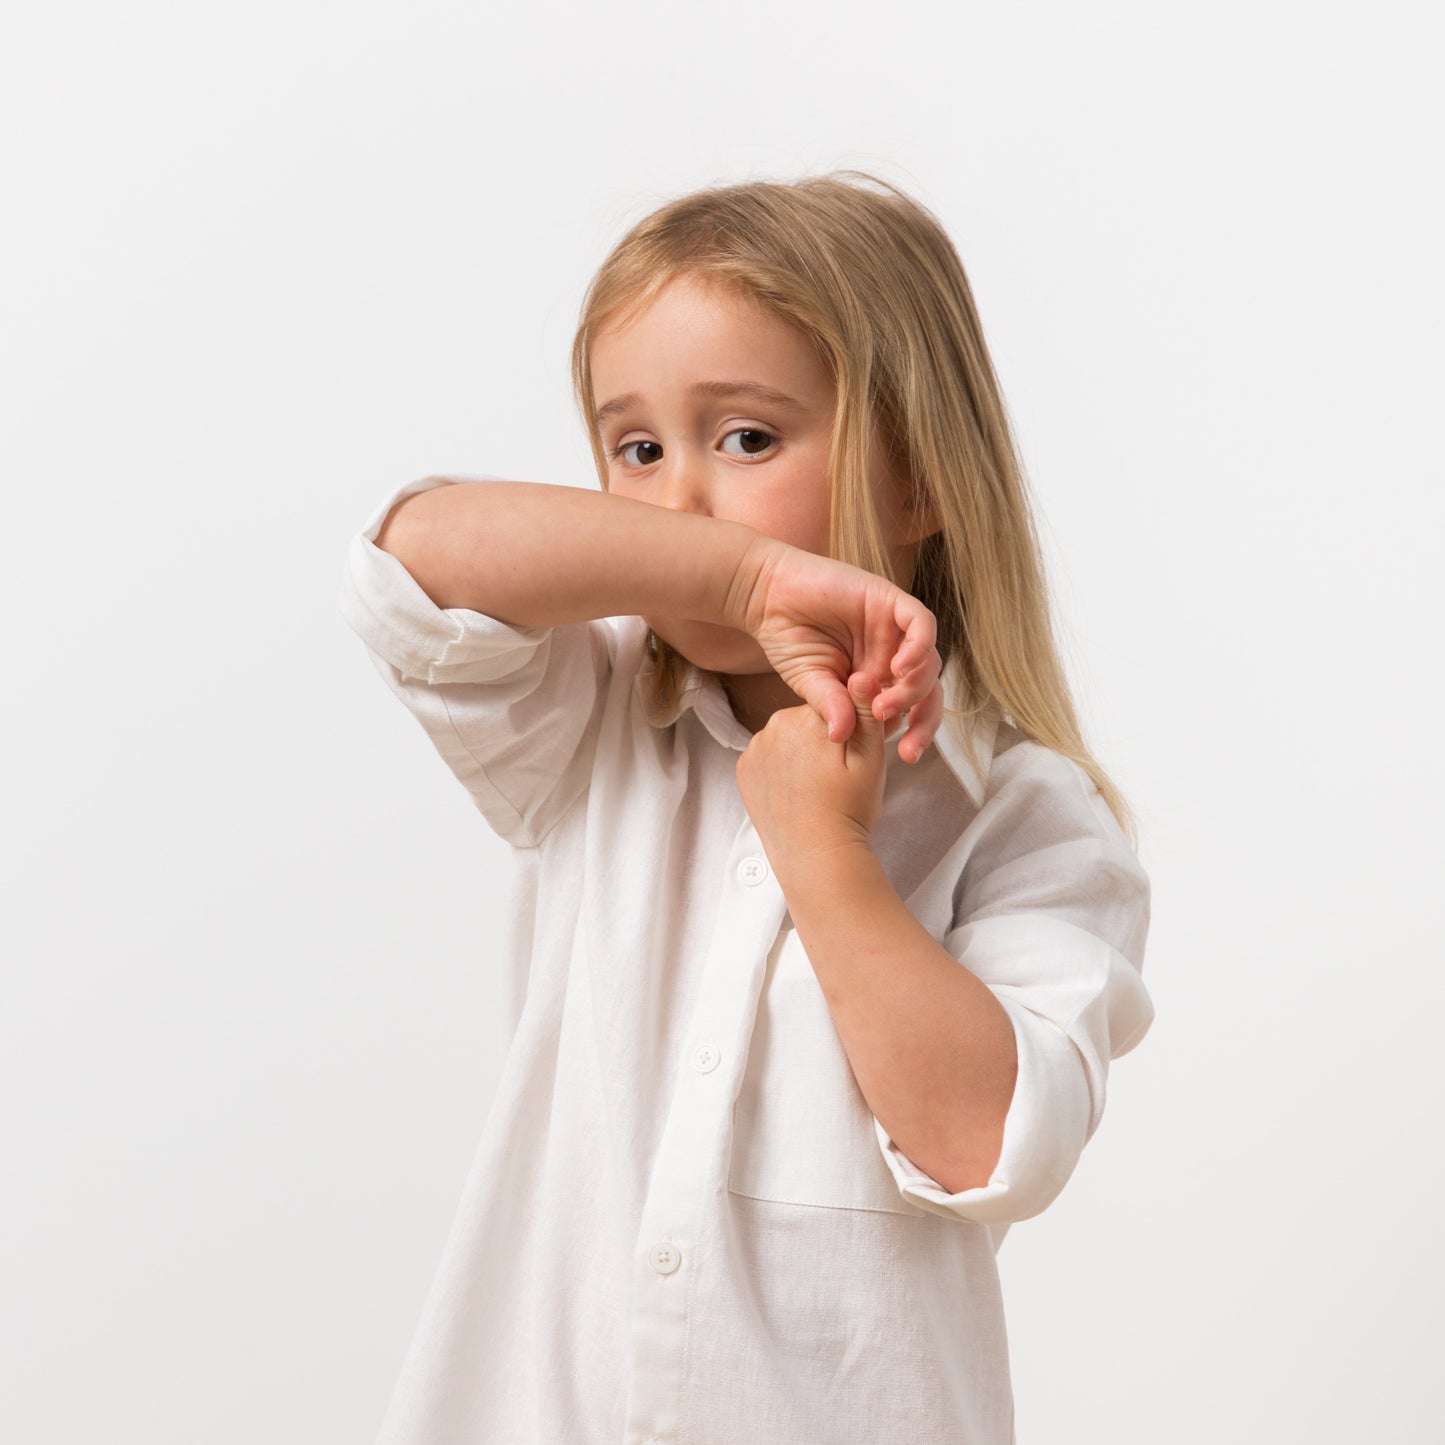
(1044, 1133)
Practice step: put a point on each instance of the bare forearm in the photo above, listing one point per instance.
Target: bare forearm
(534, 555)
(931, 1047)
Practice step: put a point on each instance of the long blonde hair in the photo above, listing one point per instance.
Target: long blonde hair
(872, 278)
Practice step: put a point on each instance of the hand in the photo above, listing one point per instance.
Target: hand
(818, 621)
(804, 792)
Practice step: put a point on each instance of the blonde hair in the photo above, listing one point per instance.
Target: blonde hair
(872, 278)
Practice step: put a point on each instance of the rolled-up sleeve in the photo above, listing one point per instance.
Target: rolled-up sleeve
(513, 711)
(1053, 917)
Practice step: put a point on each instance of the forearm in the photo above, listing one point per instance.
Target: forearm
(931, 1048)
(534, 555)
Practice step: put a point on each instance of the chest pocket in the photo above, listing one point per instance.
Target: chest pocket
(802, 1130)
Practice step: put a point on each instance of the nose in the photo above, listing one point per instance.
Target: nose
(682, 485)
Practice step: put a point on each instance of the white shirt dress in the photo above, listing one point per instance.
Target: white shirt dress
(684, 1226)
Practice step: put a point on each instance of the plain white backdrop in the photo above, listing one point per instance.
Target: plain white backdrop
(261, 264)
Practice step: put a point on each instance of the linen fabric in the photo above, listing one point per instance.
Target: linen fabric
(683, 1223)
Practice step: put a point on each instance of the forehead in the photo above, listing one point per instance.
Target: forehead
(688, 295)
(704, 326)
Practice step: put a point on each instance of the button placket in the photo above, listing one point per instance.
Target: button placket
(693, 1153)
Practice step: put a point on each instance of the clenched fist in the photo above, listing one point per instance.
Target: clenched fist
(805, 792)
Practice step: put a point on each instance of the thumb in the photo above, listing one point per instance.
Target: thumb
(863, 687)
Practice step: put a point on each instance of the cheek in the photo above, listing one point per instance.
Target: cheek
(801, 521)
(811, 510)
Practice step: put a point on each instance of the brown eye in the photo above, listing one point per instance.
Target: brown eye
(642, 461)
(753, 441)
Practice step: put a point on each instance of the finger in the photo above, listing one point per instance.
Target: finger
(868, 737)
(863, 688)
(907, 691)
(870, 709)
(924, 720)
(920, 629)
(880, 644)
(837, 710)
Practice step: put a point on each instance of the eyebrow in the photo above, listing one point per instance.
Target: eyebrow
(753, 390)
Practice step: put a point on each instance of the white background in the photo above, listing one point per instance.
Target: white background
(261, 264)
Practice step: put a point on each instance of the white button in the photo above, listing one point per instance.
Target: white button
(705, 1057)
(665, 1258)
(753, 870)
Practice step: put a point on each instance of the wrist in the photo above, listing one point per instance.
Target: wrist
(745, 591)
(818, 855)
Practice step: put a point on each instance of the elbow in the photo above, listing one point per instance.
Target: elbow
(975, 1159)
(422, 532)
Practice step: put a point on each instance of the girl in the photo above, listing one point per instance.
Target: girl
(826, 925)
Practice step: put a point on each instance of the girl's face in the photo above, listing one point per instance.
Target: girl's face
(710, 404)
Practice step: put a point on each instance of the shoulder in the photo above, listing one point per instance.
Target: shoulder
(1045, 841)
(1018, 757)
(1039, 791)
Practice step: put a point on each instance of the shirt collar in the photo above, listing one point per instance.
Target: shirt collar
(702, 693)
